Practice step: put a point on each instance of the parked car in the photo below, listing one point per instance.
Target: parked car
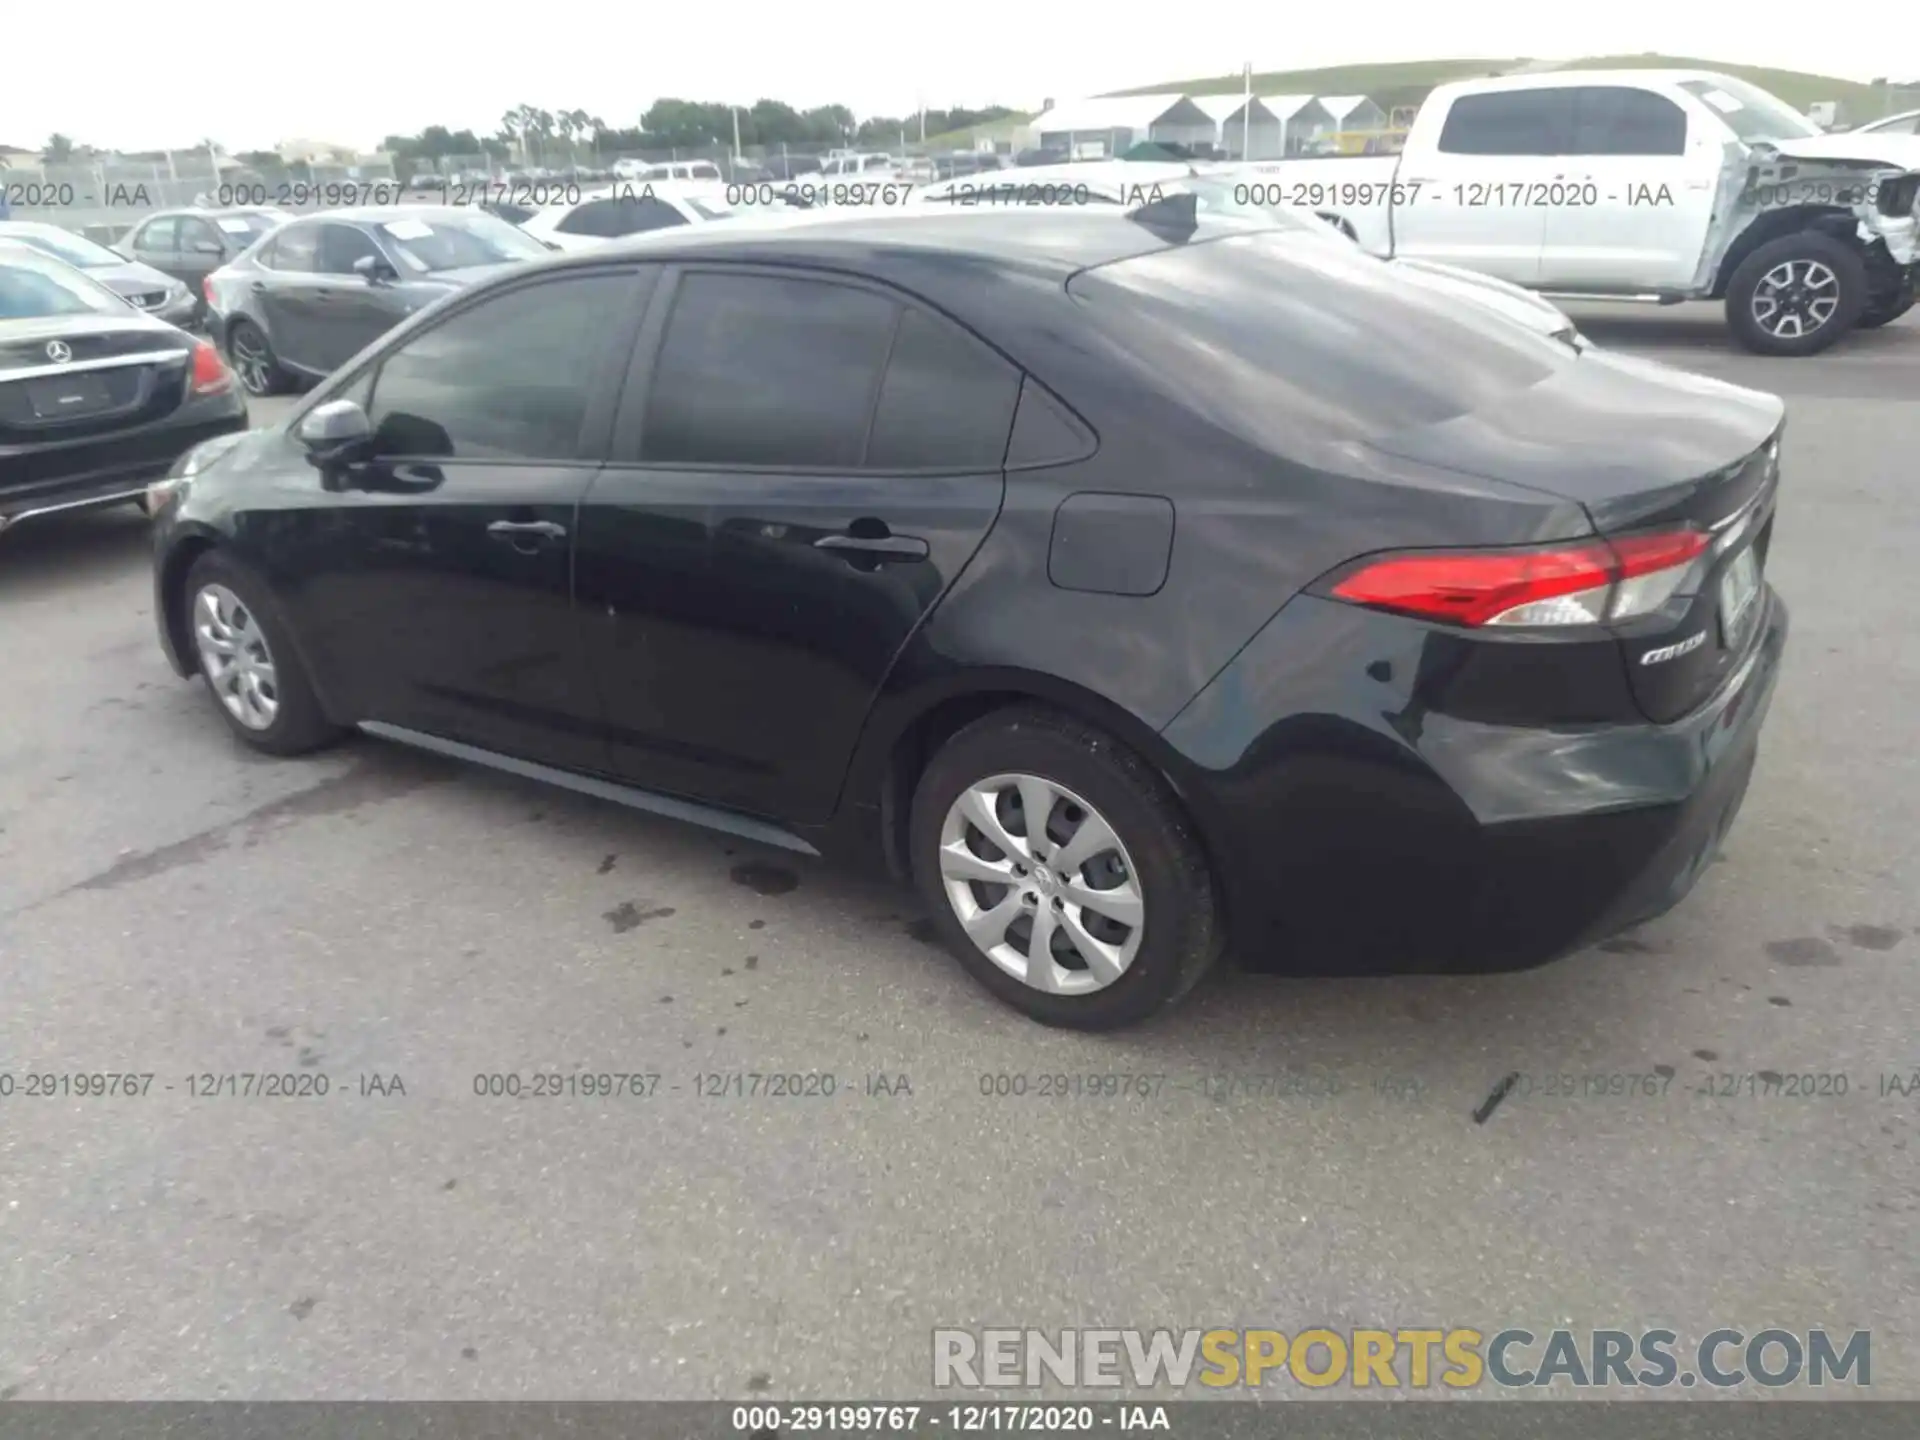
(627, 208)
(676, 170)
(1905, 123)
(1663, 185)
(141, 286)
(790, 167)
(320, 289)
(190, 245)
(1127, 183)
(96, 399)
(1135, 581)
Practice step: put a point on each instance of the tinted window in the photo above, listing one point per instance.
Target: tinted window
(946, 403)
(158, 234)
(1306, 348)
(294, 249)
(1615, 120)
(620, 215)
(1511, 122)
(340, 246)
(34, 287)
(507, 379)
(759, 370)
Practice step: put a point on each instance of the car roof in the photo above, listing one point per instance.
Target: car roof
(1049, 240)
(374, 214)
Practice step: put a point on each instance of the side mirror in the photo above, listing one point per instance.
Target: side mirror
(373, 270)
(335, 434)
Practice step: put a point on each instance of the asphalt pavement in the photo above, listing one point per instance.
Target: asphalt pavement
(1318, 1153)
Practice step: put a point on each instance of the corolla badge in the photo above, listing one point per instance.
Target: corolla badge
(59, 351)
(1671, 652)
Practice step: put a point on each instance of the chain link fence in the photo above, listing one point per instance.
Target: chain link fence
(105, 196)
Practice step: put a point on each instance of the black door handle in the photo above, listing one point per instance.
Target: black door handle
(886, 547)
(526, 536)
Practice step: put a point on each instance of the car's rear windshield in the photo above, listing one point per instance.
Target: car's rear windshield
(32, 288)
(62, 245)
(1283, 338)
(437, 244)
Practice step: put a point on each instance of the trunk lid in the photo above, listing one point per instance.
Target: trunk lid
(1644, 448)
(71, 378)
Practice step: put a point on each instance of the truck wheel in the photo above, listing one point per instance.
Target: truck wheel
(1886, 311)
(1796, 295)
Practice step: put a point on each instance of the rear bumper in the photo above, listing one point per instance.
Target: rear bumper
(1345, 845)
(110, 469)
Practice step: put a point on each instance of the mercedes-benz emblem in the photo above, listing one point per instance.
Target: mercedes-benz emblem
(59, 351)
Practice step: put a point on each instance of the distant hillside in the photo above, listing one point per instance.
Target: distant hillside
(1408, 82)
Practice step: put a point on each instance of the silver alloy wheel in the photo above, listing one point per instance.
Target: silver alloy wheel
(1042, 884)
(234, 653)
(1795, 298)
(251, 360)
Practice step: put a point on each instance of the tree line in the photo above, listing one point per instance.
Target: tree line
(672, 124)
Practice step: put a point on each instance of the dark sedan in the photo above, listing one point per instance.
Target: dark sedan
(141, 286)
(95, 399)
(192, 243)
(1132, 581)
(319, 290)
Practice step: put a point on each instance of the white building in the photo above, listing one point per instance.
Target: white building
(1243, 129)
(1302, 121)
(1114, 124)
(1353, 112)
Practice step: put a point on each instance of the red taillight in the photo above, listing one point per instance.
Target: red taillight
(210, 373)
(206, 289)
(1584, 584)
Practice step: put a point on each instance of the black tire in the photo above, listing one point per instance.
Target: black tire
(1886, 311)
(271, 378)
(1180, 935)
(298, 726)
(1812, 247)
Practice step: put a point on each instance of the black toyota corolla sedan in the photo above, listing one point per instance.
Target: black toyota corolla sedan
(321, 288)
(1135, 582)
(96, 399)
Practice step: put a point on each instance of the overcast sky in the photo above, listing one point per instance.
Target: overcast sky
(252, 75)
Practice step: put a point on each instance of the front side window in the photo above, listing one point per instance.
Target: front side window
(1750, 112)
(506, 379)
(1620, 120)
(341, 246)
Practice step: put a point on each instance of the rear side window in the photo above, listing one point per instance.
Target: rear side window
(294, 249)
(946, 403)
(1619, 120)
(161, 234)
(1509, 122)
(1287, 340)
(761, 370)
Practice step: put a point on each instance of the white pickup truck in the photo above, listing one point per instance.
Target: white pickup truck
(1656, 185)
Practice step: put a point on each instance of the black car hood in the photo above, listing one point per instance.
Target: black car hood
(1630, 440)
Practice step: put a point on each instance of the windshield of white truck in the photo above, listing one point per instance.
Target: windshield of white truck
(1750, 112)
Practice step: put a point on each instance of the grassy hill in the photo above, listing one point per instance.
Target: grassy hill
(1407, 83)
